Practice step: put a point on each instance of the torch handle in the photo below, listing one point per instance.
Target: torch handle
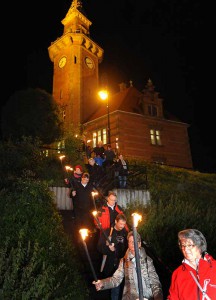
(101, 229)
(90, 262)
(106, 237)
(138, 267)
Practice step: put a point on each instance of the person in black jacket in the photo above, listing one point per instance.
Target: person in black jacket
(99, 150)
(71, 183)
(95, 171)
(113, 252)
(83, 203)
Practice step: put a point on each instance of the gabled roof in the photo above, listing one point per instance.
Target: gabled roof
(125, 100)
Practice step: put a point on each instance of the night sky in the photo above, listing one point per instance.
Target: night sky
(166, 41)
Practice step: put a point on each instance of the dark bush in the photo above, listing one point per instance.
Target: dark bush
(37, 259)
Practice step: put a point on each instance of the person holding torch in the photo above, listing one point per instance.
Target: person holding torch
(114, 251)
(151, 286)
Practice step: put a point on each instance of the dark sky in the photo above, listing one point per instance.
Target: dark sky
(167, 41)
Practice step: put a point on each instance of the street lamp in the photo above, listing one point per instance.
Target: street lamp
(104, 96)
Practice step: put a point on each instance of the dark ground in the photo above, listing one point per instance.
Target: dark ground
(96, 259)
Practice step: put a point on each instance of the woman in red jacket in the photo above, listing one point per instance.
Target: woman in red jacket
(195, 279)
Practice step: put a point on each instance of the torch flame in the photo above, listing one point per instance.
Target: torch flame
(68, 168)
(94, 213)
(61, 157)
(136, 219)
(84, 233)
(94, 193)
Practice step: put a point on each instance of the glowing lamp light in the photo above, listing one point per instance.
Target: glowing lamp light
(103, 94)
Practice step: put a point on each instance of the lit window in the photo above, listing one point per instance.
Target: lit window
(117, 144)
(104, 139)
(100, 135)
(94, 139)
(155, 137)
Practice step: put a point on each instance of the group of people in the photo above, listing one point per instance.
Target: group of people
(194, 279)
(111, 164)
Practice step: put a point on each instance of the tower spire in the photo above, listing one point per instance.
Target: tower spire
(76, 4)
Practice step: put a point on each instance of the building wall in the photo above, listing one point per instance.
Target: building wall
(134, 140)
(133, 133)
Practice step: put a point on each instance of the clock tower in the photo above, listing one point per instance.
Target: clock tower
(75, 75)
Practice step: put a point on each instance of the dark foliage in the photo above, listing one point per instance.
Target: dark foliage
(31, 112)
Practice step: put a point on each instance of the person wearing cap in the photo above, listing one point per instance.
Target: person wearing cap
(195, 278)
(151, 285)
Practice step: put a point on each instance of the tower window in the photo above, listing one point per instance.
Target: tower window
(152, 110)
(75, 59)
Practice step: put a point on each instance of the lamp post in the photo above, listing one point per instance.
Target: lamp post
(103, 94)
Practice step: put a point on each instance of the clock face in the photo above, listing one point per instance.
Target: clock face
(89, 63)
(62, 62)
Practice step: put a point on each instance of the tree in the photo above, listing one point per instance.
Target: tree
(31, 112)
(73, 145)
